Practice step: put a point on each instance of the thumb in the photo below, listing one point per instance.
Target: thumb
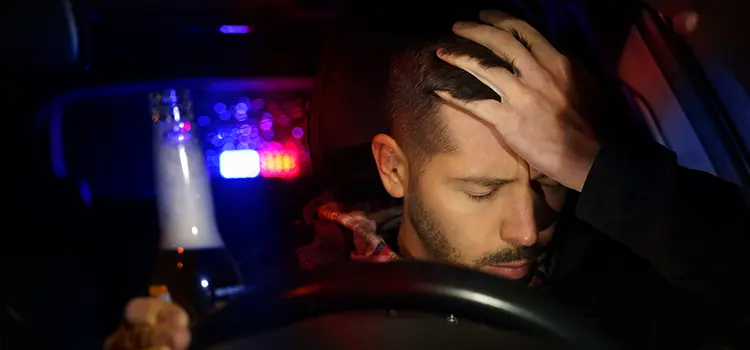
(153, 311)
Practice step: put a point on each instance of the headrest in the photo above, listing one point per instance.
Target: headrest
(40, 35)
(347, 107)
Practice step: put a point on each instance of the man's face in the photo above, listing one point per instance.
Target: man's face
(482, 206)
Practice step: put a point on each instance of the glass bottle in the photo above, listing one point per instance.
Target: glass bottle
(193, 267)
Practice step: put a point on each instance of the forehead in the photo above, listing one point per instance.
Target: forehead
(479, 149)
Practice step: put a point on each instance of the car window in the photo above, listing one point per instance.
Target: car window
(104, 134)
(666, 119)
(734, 96)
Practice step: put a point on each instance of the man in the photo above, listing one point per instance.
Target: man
(488, 149)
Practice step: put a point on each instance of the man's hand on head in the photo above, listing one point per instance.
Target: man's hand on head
(538, 116)
(152, 324)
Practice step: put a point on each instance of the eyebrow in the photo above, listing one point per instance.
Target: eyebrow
(484, 181)
(492, 181)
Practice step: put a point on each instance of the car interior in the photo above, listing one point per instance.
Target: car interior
(300, 83)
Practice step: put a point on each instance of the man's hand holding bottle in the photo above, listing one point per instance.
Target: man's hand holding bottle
(151, 324)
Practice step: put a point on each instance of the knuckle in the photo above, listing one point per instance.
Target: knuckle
(133, 303)
(141, 309)
(545, 80)
(558, 97)
(134, 309)
(526, 99)
(564, 104)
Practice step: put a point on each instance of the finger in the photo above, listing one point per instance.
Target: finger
(503, 44)
(499, 79)
(546, 54)
(145, 337)
(686, 22)
(181, 339)
(489, 111)
(152, 311)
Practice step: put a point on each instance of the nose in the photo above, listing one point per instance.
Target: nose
(519, 224)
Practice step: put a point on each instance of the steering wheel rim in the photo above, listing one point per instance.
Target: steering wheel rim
(399, 285)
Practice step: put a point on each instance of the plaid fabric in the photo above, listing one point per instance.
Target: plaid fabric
(368, 244)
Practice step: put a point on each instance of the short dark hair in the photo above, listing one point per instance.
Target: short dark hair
(415, 73)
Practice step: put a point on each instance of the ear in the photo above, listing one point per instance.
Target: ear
(392, 164)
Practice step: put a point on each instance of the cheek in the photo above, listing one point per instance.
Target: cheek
(447, 206)
(463, 225)
(452, 219)
(473, 229)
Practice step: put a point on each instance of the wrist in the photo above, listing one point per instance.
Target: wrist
(580, 166)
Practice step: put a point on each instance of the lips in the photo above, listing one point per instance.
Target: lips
(511, 271)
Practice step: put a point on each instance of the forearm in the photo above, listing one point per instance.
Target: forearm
(693, 227)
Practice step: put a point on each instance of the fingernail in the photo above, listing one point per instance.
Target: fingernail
(440, 52)
(443, 94)
(460, 24)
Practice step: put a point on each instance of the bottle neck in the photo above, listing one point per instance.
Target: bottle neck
(183, 189)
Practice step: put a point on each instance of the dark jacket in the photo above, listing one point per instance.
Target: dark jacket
(655, 252)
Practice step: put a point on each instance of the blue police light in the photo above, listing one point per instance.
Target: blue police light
(234, 29)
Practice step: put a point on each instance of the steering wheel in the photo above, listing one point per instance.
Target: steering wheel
(316, 312)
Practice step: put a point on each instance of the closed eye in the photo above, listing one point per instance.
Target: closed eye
(482, 197)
